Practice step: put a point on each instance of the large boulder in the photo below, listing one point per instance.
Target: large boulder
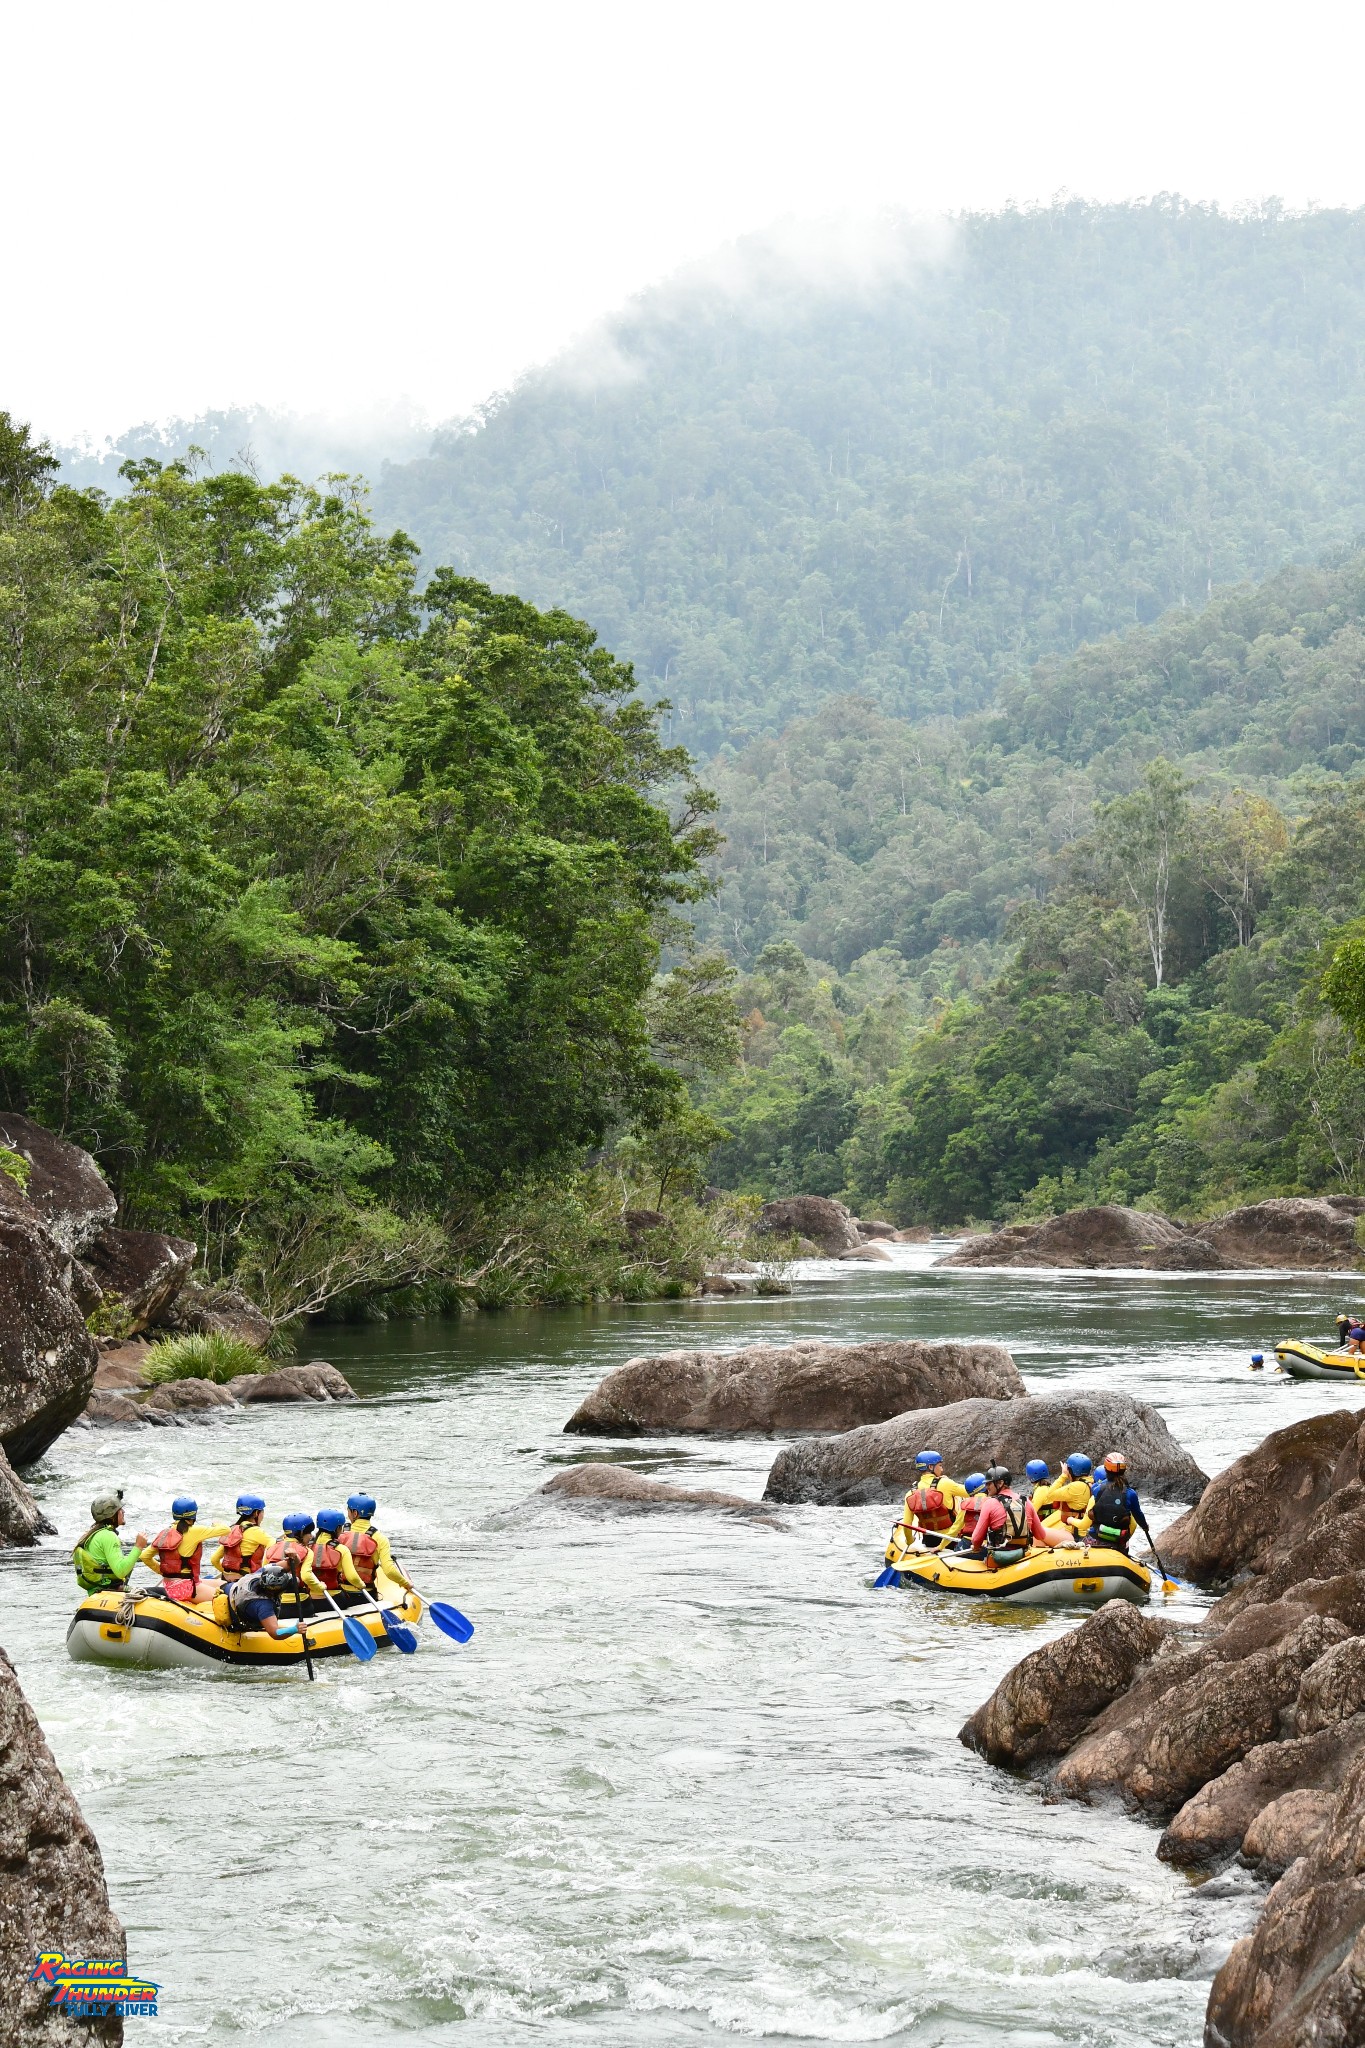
(778, 1387)
(878, 1463)
(1048, 1700)
(1161, 1742)
(1310, 1233)
(1318, 1234)
(64, 1185)
(1299, 1978)
(22, 1521)
(1083, 1238)
(47, 1356)
(615, 1486)
(200, 1311)
(1263, 1502)
(139, 1273)
(178, 1397)
(828, 1225)
(316, 1381)
(1266, 1800)
(53, 1896)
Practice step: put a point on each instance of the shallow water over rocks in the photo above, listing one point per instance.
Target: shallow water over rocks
(693, 1780)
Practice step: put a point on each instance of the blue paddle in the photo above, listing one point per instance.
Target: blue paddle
(359, 1641)
(889, 1577)
(448, 1619)
(398, 1632)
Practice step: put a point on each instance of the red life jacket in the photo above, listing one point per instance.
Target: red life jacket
(929, 1508)
(171, 1562)
(234, 1565)
(364, 1553)
(288, 1552)
(327, 1564)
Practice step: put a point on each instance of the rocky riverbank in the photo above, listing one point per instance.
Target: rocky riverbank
(52, 1889)
(1243, 1736)
(1315, 1234)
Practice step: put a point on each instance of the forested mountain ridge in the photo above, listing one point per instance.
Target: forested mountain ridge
(853, 831)
(1079, 417)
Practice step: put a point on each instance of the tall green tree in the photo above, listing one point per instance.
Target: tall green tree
(320, 897)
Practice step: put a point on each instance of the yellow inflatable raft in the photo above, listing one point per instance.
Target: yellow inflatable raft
(1306, 1362)
(165, 1635)
(1065, 1574)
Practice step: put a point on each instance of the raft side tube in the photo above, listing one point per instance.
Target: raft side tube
(1306, 1362)
(1038, 1579)
(167, 1635)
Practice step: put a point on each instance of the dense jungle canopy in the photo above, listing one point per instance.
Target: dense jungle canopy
(994, 578)
(327, 907)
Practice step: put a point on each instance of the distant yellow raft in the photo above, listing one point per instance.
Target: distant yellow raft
(166, 1635)
(1063, 1574)
(1306, 1362)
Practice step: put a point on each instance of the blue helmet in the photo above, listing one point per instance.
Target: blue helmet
(974, 1481)
(183, 1505)
(250, 1504)
(928, 1458)
(1079, 1466)
(294, 1525)
(331, 1519)
(1036, 1468)
(361, 1504)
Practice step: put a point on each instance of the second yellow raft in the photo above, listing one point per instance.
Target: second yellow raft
(1089, 1573)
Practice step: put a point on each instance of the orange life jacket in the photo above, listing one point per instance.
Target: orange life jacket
(286, 1550)
(927, 1506)
(234, 1565)
(327, 1564)
(364, 1553)
(171, 1562)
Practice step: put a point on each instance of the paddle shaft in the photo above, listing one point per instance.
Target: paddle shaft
(397, 1631)
(303, 1630)
(347, 1621)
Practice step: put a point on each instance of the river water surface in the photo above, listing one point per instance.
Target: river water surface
(693, 1780)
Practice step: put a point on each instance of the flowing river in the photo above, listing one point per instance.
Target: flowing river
(693, 1779)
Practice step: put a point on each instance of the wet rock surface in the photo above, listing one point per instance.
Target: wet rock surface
(1085, 1238)
(827, 1225)
(316, 1381)
(1319, 1235)
(139, 1273)
(200, 1311)
(47, 1356)
(52, 1887)
(1315, 1234)
(1228, 1815)
(777, 1387)
(1299, 1979)
(65, 1187)
(1049, 1699)
(617, 1486)
(126, 1404)
(180, 1397)
(1262, 1502)
(22, 1521)
(878, 1463)
(1245, 1735)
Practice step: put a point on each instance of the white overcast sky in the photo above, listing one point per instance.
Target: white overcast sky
(337, 208)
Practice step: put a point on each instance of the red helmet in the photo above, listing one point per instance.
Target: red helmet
(1116, 1462)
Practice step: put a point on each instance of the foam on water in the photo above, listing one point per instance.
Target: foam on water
(693, 1779)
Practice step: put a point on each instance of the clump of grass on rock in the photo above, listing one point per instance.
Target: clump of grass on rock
(216, 1357)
